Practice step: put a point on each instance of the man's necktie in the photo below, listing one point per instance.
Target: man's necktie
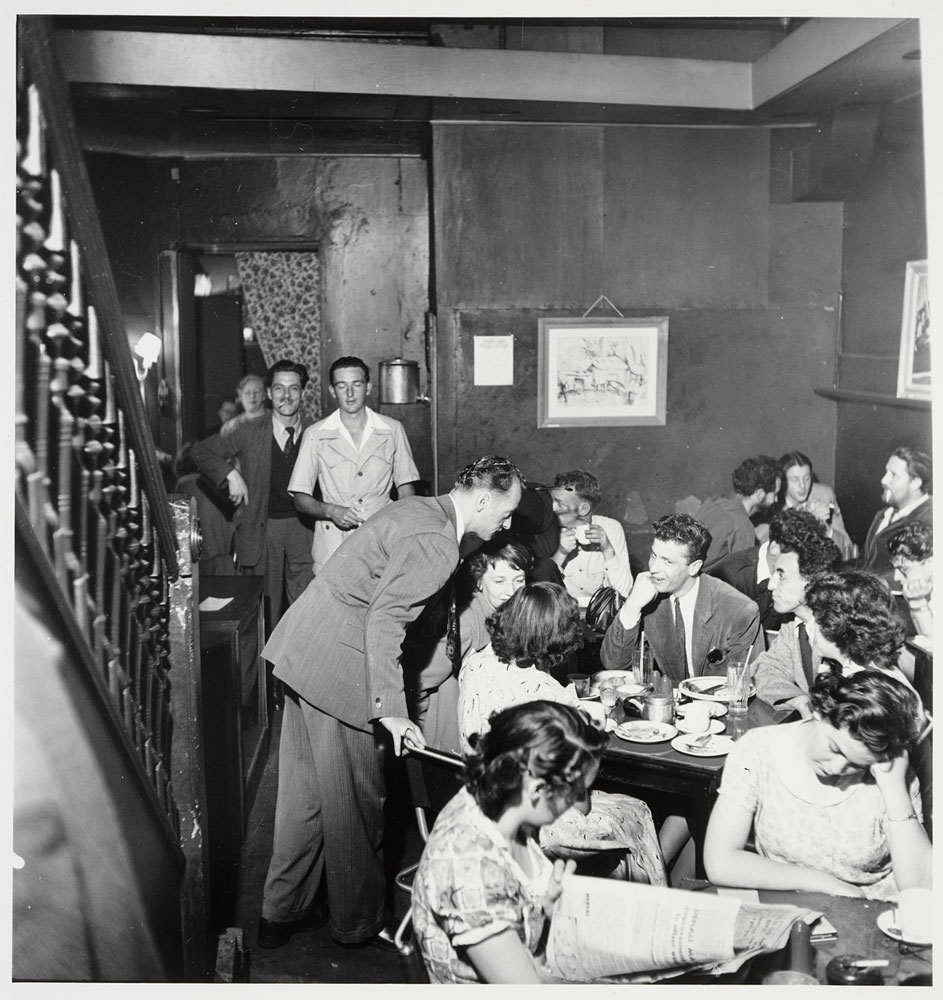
(679, 633)
(289, 443)
(452, 646)
(805, 651)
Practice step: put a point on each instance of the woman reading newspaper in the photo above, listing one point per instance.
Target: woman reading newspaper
(484, 890)
(831, 800)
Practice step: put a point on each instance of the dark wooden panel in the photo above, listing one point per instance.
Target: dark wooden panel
(739, 382)
(805, 254)
(518, 215)
(686, 217)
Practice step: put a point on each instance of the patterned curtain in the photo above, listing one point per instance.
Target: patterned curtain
(283, 306)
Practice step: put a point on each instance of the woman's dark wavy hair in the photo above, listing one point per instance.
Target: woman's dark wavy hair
(872, 706)
(543, 738)
(501, 548)
(855, 611)
(539, 626)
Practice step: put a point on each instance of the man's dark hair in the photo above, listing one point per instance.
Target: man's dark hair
(349, 362)
(685, 530)
(754, 474)
(490, 473)
(584, 484)
(803, 533)
(915, 541)
(285, 365)
(919, 465)
(792, 459)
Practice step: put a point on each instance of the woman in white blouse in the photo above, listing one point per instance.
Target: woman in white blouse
(531, 633)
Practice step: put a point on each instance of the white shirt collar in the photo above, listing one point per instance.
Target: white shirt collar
(459, 523)
(373, 421)
(762, 566)
(896, 515)
(280, 430)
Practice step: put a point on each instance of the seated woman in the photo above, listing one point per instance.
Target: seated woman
(801, 490)
(485, 580)
(911, 552)
(484, 890)
(534, 630)
(831, 800)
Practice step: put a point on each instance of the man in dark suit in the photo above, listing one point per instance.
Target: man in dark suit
(254, 459)
(693, 623)
(906, 485)
(337, 649)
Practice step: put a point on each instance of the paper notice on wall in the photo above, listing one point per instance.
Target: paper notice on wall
(494, 361)
(214, 603)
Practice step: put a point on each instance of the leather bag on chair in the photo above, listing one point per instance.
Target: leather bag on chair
(603, 606)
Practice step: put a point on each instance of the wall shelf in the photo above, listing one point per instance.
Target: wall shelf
(875, 398)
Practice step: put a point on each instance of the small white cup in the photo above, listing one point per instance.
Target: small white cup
(697, 717)
(915, 914)
(581, 535)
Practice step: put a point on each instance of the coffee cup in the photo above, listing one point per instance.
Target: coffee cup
(915, 914)
(697, 717)
(581, 535)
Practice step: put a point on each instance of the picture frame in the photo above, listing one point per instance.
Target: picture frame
(913, 372)
(602, 372)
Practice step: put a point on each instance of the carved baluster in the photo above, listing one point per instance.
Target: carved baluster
(35, 159)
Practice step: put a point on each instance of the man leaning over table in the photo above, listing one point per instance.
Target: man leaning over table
(356, 456)
(692, 623)
(784, 673)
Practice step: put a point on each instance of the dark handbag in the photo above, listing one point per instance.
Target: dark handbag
(603, 606)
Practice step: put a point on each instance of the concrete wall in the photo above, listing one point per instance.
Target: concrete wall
(539, 221)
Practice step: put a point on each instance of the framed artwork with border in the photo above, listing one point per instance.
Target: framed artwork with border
(913, 372)
(602, 372)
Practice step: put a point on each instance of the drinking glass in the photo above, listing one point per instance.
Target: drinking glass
(642, 667)
(738, 686)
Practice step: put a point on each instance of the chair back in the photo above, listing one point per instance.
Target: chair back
(434, 776)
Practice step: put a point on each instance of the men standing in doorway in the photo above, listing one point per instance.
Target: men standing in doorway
(356, 456)
(338, 652)
(255, 460)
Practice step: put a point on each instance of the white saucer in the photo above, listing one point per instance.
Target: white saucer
(887, 925)
(717, 709)
(716, 688)
(717, 746)
(716, 726)
(588, 697)
(640, 731)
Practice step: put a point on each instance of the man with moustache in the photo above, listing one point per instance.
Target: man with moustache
(692, 623)
(255, 460)
(338, 651)
(356, 456)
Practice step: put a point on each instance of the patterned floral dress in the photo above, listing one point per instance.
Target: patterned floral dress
(468, 888)
(617, 837)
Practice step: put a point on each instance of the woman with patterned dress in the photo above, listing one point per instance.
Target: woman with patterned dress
(831, 800)
(484, 891)
(530, 634)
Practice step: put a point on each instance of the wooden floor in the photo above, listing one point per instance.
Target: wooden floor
(312, 956)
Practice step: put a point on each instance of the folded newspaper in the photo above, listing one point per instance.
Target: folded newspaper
(626, 931)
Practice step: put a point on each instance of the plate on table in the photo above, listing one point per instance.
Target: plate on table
(716, 726)
(708, 688)
(888, 924)
(716, 746)
(717, 709)
(640, 731)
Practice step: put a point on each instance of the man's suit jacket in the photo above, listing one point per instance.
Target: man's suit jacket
(874, 556)
(723, 619)
(338, 645)
(251, 443)
(739, 570)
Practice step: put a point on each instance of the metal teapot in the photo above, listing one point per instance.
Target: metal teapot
(658, 708)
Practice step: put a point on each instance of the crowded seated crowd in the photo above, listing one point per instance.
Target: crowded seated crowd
(455, 622)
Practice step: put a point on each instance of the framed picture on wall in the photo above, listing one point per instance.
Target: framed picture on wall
(602, 372)
(913, 373)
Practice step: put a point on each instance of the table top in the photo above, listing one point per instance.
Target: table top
(858, 934)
